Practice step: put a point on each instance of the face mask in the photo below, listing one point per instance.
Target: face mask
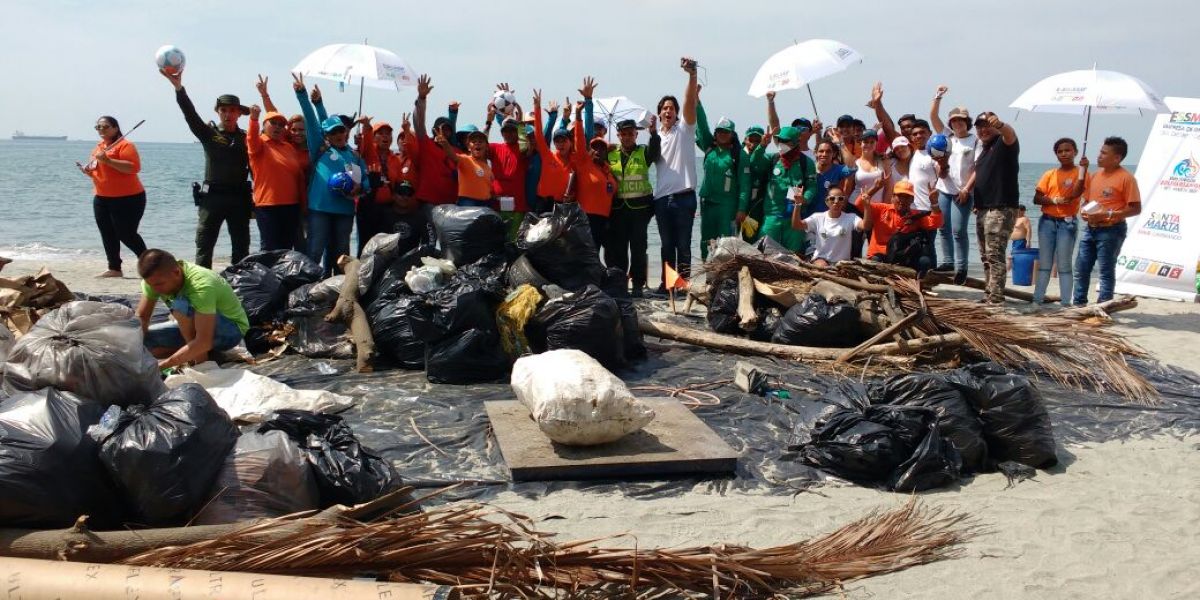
(785, 148)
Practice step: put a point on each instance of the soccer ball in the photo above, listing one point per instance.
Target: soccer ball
(341, 182)
(938, 146)
(170, 59)
(505, 102)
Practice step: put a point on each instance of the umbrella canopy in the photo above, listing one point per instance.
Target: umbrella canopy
(1076, 92)
(618, 108)
(797, 66)
(367, 65)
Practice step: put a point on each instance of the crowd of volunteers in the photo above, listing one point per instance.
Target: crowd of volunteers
(902, 191)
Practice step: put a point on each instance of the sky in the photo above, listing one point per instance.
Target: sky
(66, 62)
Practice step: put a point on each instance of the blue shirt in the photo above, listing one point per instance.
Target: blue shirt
(830, 178)
(326, 162)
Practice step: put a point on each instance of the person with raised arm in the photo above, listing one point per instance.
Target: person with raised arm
(278, 181)
(791, 186)
(955, 184)
(438, 182)
(997, 196)
(719, 187)
(675, 176)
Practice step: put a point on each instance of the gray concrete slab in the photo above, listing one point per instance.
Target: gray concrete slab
(676, 442)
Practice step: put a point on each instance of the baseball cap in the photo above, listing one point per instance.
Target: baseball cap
(788, 134)
(273, 115)
(561, 132)
(627, 124)
(903, 188)
(381, 126)
(802, 123)
(900, 141)
(755, 130)
(600, 122)
(868, 134)
(907, 117)
(845, 121)
(959, 112)
(331, 123)
(725, 124)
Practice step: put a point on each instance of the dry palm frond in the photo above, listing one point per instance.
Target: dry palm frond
(489, 552)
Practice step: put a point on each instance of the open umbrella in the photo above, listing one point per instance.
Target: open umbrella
(371, 66)
(618, 108)
(799, 65)
(1087, 90)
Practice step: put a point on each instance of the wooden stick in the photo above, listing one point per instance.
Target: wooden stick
(1102, 310)
(882, 335)
(979, 284)
(349, 311)
(747, 318)
(728, 343)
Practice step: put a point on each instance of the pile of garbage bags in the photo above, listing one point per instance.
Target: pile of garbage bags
(919, 431)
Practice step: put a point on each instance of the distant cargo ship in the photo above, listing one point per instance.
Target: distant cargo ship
(20, 136)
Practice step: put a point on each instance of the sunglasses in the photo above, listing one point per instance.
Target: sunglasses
(832, 199)
(103, 127)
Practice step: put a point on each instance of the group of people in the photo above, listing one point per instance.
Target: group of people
(894, 189)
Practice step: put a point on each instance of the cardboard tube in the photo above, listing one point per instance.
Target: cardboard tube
(31, 579)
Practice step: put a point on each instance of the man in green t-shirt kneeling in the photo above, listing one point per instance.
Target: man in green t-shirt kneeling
(206, 314)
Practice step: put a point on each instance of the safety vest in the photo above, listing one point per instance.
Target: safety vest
(633, 179)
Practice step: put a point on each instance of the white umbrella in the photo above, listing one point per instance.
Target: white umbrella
(1082, 92)
(371, 66)
(799, 65)
(619, 108)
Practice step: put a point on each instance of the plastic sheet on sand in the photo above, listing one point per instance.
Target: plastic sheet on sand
(395, 409)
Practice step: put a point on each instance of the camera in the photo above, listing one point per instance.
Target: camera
(688, 63)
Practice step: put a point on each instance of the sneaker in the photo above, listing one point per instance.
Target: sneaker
(944, 268)
(960, 277)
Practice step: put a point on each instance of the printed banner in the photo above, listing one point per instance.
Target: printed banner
(1160, 253)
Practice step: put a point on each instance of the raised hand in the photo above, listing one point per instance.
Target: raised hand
(578, 110)
(406, 123)
(175, 78)
(589, 86)
(453, 106)
(552, 107)
(316, 94)
(503, 87)
(940, 91)
(537, 99)
(255, 110)
(363, 120)
(491, 112)
(876, 95)
(261, 86)
(424, 86)
(297, 82)
(818, 125)
(771, 96)
(688, 64)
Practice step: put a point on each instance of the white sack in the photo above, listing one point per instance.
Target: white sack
(251, 398)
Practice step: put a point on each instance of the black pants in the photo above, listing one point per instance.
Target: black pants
(232, 209)
(373, 218)
(599, 225)
(627, 240)
(118, 219)
(278, 227)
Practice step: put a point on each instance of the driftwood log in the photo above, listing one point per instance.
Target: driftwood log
(747, 317)
(349, 311)
(891, 352)
(1102, 310)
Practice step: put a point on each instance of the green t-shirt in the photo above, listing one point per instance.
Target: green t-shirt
(207, 293)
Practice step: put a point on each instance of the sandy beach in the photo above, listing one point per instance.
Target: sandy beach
(1112, 520)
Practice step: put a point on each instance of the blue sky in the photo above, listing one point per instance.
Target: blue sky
(67, 62)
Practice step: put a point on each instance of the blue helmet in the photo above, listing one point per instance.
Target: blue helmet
(341, 182)
(938, 145)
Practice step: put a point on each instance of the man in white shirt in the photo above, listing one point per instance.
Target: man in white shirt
(675, 176)
(830, 231)
(923, 174)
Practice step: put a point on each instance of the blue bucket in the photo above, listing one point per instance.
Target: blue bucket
(1022, 269)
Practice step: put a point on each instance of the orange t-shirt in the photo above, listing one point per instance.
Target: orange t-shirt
(887, 221)
(556, 172)
(1057, 183)
(474, 178)
(278, 176)
(111, 183)
(594, 184)
(1114, 191)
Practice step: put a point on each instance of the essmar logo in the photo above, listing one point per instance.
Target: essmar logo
(1185, 118)
(1187, 169)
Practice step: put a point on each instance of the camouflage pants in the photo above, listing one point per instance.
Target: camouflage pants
(993, 226)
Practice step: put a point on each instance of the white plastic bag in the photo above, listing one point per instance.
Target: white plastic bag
(265, 476)
(575, 400)
(251, 398)
(431, 275)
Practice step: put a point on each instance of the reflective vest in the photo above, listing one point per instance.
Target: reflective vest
(633, 178)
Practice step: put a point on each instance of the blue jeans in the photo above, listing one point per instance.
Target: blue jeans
(278, 226)
(168, 335)
(1098, 245)
(328, 236)
(954, 232)
(675, 215)
(1056, 244)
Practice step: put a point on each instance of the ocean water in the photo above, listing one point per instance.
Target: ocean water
(46, 203)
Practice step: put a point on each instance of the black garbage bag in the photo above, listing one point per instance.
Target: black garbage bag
(165, 456)
(934, 463)
(587, 320)
(521, 272)
(391, 320)
(293, 268)
(776, 251)
(1015, 422)
(816, 322)
(559, 246)
(258, 287)
(468, 233)
(722, 307)
(379, 253)
(849, 444)
(92, 349)
(347, 472)
(390, 283)
(768, 321)
(957, 420)
(50, 472)
(488, 271)
(314, 298)
(475, 356)
(313, 337)
(468, 301)
(616, 285)
(258, 339)
(266, 475)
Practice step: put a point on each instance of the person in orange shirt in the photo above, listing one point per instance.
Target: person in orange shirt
(594, 181)
(898, 233)
(1058, 193)
(1112, 196)
(386, 169)
(556, 165)
(474, 172)
(278, 181)
(120, 199)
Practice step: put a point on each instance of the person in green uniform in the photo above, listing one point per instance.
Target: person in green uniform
(719, 189)
(206, 314)
(752, 185)
(791, 186)
(633, 206)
